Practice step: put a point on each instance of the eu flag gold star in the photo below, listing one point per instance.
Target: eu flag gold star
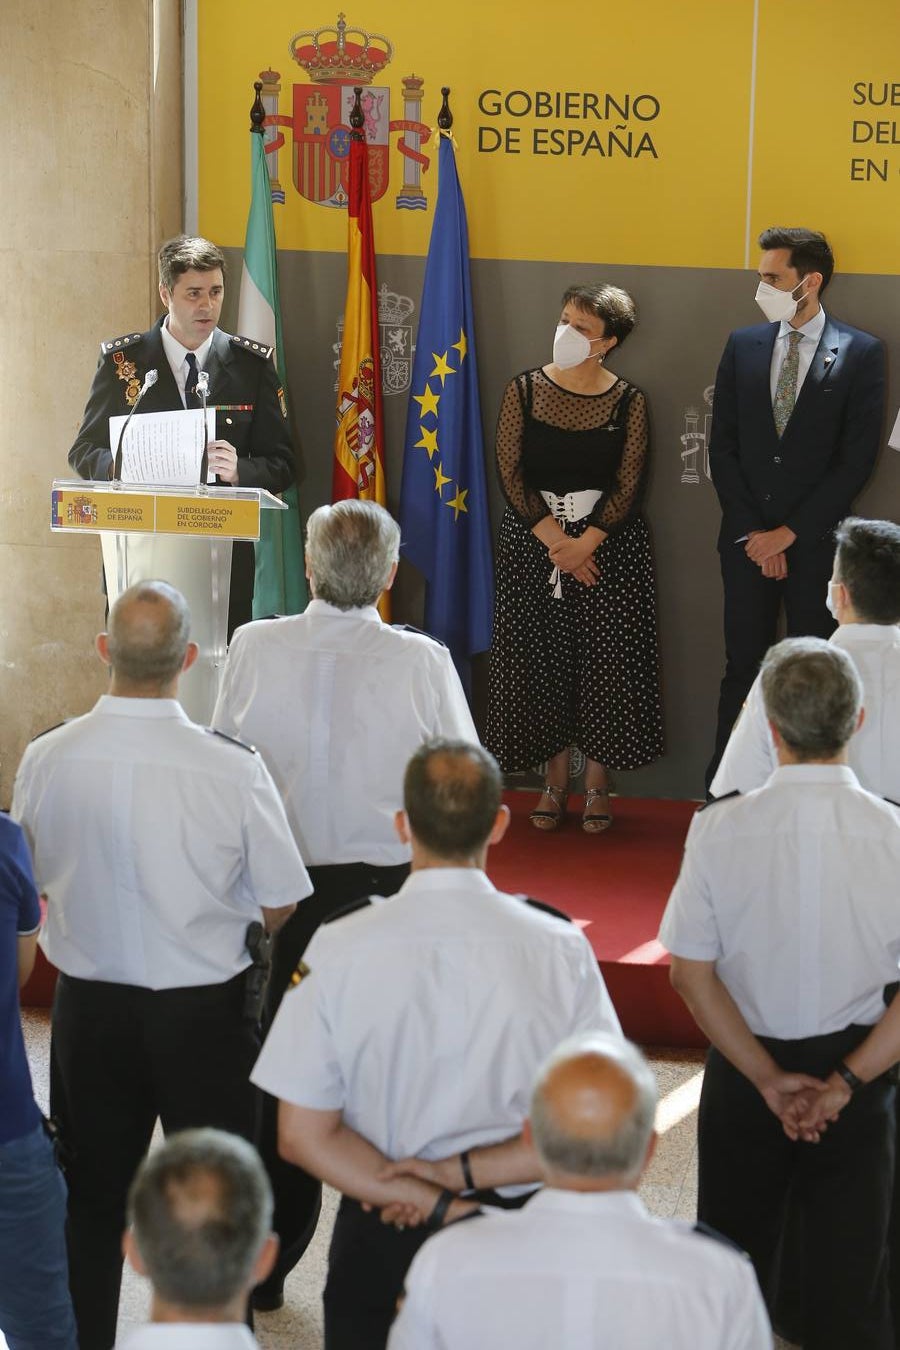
(458, 503)
(428, 441)
(428, 401)
(439, 478)
(462, 346)
(442, 367)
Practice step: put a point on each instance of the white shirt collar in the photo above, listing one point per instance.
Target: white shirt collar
(813, 329)
(196, 1335)
(322, 607)
(114, 705)
(176, 353)
(619, 1204)
(447, 879)
(849, 634)
(814, 773)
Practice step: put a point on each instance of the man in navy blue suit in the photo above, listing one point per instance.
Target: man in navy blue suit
(797, 419)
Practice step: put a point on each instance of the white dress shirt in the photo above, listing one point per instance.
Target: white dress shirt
(874, 751)
(336, 702)
(426, 1015)
(176, 355)
(189, 1336)
(811, 334)
(793, 892)
(580, 1270)
(156, 842)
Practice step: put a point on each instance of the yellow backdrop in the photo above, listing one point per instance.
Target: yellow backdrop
(650, 133)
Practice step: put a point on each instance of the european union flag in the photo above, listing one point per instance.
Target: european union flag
(443, 494)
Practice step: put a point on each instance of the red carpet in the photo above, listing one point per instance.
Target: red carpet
(615, 886)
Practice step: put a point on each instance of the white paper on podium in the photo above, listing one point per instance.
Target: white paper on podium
(894, 438)
(164, 447)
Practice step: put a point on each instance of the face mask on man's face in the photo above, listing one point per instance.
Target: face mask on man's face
(775, 304)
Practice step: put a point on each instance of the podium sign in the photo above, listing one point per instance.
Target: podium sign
(176, 534)
(210, 516)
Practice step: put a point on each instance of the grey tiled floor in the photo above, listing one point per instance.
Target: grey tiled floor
(669, 1188)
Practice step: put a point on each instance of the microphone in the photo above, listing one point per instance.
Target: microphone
(202, 392)
(149, 381)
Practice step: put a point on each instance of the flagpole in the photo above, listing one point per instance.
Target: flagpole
(280, 581)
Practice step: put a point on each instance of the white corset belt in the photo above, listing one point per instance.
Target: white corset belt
(570, 506)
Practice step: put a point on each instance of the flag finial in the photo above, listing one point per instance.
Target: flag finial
(257, 112)
(357, 119)
(445, 116)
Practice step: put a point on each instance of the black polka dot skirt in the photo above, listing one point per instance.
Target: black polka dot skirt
(579, 671)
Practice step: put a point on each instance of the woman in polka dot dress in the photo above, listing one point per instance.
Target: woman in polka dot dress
(574, 658)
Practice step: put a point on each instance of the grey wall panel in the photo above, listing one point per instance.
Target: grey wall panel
(685, 315)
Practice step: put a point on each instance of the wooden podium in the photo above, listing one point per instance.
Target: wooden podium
(182, 535)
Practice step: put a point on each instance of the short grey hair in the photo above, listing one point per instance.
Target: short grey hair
(201, 1209)
(812, 695)
(148, 632)
(350, 550)
(620, 1154)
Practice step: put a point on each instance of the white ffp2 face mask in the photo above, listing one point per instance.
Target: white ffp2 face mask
(570, 347)
(775, 304)
(829, 599)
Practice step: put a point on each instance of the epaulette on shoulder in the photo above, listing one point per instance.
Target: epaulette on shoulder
(249, 345)
(120, 343)
(350, 908)
(890, 801)
(47, 731)
(704, 1230)
(411, 628)
(547, 909)
(714, 801)
(233, 740)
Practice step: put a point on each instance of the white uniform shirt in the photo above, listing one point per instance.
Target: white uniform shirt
(874, 751)
(794, 892)
(189, 1336)
(585, 1271)
(155, 842)
(336, 702)
(426, 1015)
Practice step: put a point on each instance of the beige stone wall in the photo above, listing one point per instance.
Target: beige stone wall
(91, 168)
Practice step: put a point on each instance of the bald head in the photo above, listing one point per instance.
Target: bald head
(592, 1111)
(452, 792)
(147, 638)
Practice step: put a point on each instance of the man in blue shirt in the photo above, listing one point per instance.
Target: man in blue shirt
(35, 1308)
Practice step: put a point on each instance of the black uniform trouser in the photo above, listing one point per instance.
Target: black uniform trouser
(298, 1196)
(121, 1057)
(752, 604)
(842, 1186)
(367, 1264)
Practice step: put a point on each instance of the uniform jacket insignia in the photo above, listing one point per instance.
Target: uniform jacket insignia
(249, 345)
(300, 974)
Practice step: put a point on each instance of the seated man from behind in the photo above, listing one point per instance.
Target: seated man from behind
(200, 1218)
(864, 597)
(583, 1264)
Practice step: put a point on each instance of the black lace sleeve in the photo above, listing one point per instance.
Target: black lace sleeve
(528, 505)
(624, 501)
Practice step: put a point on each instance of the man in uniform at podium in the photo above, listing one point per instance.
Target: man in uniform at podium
(253, 445)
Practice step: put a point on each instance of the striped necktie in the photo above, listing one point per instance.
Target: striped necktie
(786, 388)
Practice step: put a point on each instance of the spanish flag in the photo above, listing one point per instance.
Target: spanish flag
(359, 435)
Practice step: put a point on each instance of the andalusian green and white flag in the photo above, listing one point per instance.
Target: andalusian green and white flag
(280, 576)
